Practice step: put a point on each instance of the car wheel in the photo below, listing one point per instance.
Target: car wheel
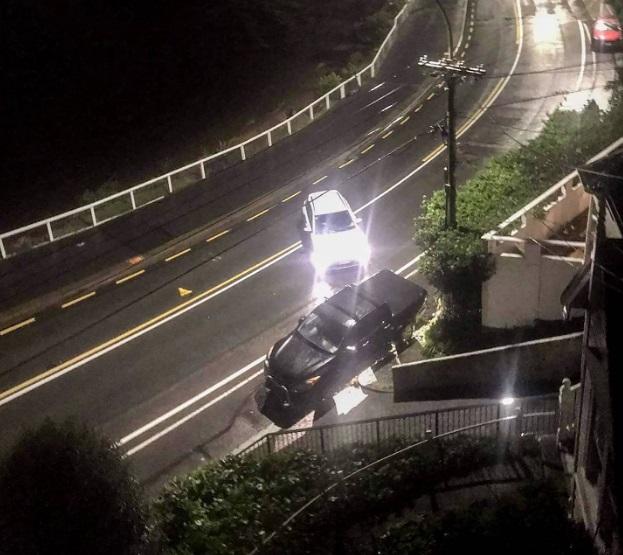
(407, 334)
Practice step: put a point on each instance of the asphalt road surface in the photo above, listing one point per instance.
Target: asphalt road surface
(167, 360)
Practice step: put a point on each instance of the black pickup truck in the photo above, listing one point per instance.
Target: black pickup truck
(342, 336)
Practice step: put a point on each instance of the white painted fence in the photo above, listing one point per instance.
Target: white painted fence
(90, 215)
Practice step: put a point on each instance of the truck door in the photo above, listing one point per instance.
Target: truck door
(370, 334)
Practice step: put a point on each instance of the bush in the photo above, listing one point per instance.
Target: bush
(456, 260)
(64, 489)
(230, 506)
(533, 520)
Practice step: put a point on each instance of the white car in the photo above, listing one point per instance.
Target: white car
(335, 238)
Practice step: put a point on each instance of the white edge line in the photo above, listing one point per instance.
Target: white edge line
(410, 263)
(190, 401)
(191, 415)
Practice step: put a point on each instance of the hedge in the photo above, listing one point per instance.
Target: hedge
(228, 507)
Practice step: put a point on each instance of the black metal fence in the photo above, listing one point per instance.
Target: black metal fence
(536, 416)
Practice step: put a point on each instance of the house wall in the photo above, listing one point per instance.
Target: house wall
(526, 287)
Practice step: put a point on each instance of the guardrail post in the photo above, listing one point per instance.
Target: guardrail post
(359, 79)
(565, 433)
(436, 422)
(311, 112)
(203, 170)
(372, 72)
(322, 440)
(289, 122)
(2, 251)
(270, 139)
(327, 101)
(342, 91)
(378, 432)
(93, 215)
(170, 183)
(243, 154)
(517, 435)
(133, 201)
(50, 234)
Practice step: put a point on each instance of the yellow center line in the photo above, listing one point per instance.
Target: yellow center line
(367, 148)
(320, 179)
(433, 153)
(78, 300)
(405, 120)
(16, 326)
(258, 215)
(128, 278)
(127, 334)
(345, 163)
(209, 239)
(387, 134)
(177, 254)
(291, 196)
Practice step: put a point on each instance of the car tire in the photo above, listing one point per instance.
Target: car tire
(406, 334)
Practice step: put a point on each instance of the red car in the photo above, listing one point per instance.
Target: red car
(606, 33)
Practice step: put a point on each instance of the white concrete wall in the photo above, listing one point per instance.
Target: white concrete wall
(525, 288)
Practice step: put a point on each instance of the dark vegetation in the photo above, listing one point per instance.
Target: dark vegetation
(65, 489)
(457, 262)
(109, 94)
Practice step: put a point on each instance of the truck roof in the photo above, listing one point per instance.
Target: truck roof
(384, 287)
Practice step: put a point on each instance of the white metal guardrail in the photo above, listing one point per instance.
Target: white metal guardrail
(90, 215)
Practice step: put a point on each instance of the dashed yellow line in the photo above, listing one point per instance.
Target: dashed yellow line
(405, 120)
(367, 148)
(430, 96)
(210, 239)
(291, 196)
(467, 45)
(345, 163)
(320, 179)
(258, 215)
(126, 334)
(16, 326)
(78, 300)
(128, 278)
(387, 134)
(174, 256)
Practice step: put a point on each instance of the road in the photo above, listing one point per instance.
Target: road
(168, 361)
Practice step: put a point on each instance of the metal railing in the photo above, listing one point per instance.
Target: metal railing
(539, 415)
(510, 428)
(96, 213)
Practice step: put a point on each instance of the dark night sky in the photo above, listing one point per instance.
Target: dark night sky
(94, 88)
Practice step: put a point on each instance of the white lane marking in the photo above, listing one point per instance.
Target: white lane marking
(379, 99)
(479, 113)
(387, 108)
(186, 418)
(410, 263)
(320, 179)
(192, 400)
(373, 131)
(377, 86)
(578, 83)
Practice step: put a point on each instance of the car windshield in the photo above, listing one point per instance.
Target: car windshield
(323, 332)
(337, 221)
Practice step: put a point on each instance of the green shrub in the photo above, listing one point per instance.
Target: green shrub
(230, 506)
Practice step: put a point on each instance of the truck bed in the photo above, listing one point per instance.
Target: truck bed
(401, 295)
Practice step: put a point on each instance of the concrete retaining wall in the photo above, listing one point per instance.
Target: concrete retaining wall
(529, 368)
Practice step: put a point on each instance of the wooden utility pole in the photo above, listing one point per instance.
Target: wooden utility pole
(452, 72)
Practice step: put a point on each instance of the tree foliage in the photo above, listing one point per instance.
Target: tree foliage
(456, 261)
(64, 489)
